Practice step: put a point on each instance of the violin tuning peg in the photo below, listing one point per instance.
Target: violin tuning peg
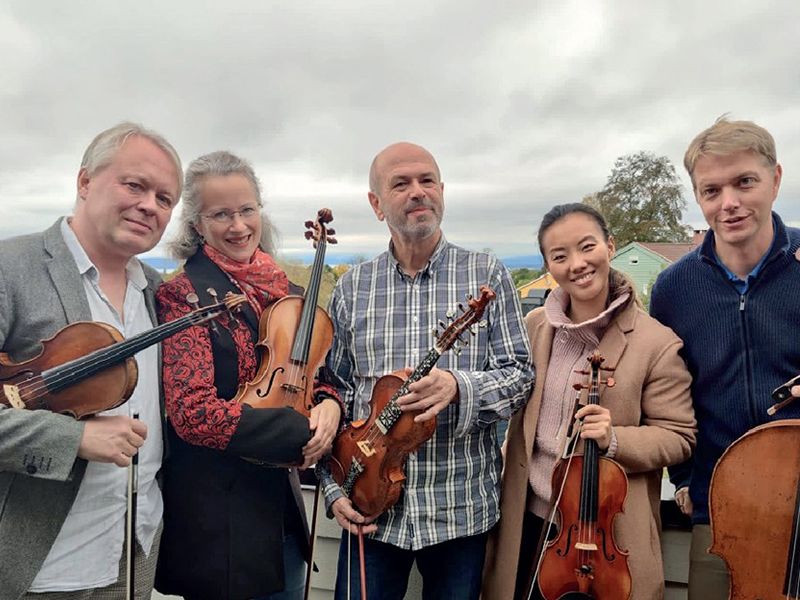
(193, 300)
(308, 235)
(332, 240)
(450, 314)
(483, 323)
(468, 297)
(442, 325)
(331, 231)
(309, 224)
(435, 333)
(461, 307)
(214, 297)
(457, 350)
(577, 386)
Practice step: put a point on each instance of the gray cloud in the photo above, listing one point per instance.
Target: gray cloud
(525, 104)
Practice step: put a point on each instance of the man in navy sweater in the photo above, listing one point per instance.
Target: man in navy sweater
(734, 302)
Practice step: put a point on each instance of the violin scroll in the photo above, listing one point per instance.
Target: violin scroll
(470, 319)
(318, 230)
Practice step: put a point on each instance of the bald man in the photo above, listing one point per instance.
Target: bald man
(383, 312)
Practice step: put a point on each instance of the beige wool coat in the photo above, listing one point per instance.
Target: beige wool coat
(652, 416)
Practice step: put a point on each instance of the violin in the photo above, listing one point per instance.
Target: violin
(368, 456)
(584, 561)
(754, 505)
(294, 338)
(88, 367)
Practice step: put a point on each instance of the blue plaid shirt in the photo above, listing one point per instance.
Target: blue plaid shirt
(383, 321)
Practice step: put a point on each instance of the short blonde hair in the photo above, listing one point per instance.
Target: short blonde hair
(104, 146)
(726, 137)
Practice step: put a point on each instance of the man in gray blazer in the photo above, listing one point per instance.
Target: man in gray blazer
(62, 481)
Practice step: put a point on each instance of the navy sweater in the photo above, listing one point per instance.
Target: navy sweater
(738, 347)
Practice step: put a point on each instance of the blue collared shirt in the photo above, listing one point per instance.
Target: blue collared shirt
(743, 285)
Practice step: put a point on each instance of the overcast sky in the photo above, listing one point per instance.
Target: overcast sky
(525, 104)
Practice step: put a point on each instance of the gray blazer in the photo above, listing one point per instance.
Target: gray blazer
(40, 473)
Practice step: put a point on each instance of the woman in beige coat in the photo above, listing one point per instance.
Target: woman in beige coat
(645, 422)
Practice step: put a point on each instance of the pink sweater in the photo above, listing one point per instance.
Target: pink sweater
(573, 343)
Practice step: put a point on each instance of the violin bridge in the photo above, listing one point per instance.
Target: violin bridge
(293, 389)
(12, 395)
(366, 448)
(586, 546)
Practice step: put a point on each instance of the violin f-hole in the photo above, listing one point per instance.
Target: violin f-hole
(265, 393)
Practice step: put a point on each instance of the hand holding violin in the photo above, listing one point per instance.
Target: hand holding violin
(112, 439)
(596, 425)
(349, 518)
(324, 423)
(430, 395)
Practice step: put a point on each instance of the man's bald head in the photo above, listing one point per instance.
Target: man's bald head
(401, 151)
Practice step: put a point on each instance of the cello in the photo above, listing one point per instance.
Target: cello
(294, 338)
(754, 507)
(369, 456)
(88, 367)
(583, 561)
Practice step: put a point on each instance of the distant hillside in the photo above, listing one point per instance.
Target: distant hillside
(531, 261)
(167, 265)
(162, 265)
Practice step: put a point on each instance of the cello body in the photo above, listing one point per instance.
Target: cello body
(753, 505)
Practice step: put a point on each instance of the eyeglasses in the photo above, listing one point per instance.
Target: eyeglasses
(227, 216)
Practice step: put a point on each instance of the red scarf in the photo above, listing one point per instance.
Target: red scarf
(262, 280)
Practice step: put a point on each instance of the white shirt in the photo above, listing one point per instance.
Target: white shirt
(88, 548)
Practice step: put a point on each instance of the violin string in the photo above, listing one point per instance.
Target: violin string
(294, 376)
(591, 494)
(551, 519)
(594, 466)
(36, 387)
(583, 526)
